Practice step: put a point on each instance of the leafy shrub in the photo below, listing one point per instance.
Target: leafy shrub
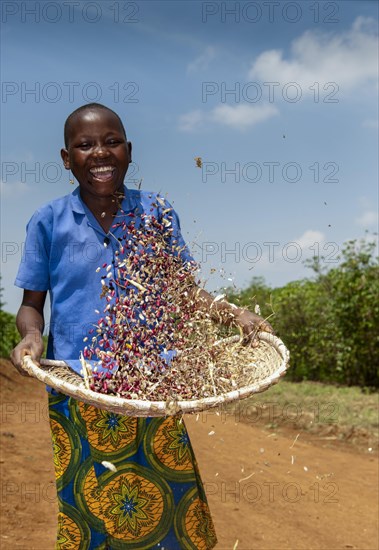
(330, 324)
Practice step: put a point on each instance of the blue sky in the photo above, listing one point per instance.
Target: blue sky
(289, 157)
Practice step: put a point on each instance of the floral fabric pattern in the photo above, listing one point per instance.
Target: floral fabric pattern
(126, 481)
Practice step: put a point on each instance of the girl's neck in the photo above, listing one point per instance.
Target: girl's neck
(104, 208)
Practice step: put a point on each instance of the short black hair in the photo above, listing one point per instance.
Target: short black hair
(86, 107)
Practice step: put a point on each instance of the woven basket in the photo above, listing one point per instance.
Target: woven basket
(269, 362)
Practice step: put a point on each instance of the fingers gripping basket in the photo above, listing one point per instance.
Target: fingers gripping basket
(269, 362)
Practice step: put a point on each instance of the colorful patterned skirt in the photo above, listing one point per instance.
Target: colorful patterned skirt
(126, 482)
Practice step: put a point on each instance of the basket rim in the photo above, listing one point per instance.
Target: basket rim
(81, 393)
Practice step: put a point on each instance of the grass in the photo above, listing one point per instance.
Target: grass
(334, 412)
(345, 413)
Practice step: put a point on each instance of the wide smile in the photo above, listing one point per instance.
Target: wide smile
(102, 173)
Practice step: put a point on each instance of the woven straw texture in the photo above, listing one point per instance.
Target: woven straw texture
(269, 362)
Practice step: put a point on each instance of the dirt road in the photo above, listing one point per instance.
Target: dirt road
(267, 490)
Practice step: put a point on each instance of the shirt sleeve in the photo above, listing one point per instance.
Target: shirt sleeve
(33, 272)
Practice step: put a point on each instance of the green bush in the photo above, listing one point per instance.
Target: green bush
(9, 334)
(330, 324)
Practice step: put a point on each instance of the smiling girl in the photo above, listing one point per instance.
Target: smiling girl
(152, 496)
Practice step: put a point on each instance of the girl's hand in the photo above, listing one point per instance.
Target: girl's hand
(251, 324)
(30, 325)
(31, 344)
(229, 314)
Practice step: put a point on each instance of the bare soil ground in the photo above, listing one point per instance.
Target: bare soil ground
(268, 489)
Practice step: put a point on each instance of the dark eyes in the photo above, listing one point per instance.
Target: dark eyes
(112, 142)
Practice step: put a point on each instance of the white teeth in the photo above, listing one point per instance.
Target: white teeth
(101, 169)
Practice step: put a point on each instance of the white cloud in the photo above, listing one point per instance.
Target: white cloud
(346, 60)
(202, 62)
(191, 121)
(309, 238)
(238, 116)
(370, 123)
(296, 250)
(242, 116)
(349, 58)
(281, 256)
(368, 219)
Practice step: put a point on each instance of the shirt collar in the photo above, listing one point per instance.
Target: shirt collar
(129, 202)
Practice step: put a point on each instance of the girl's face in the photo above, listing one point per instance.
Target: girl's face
(97, 153)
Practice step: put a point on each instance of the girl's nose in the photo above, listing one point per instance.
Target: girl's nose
(101, 151)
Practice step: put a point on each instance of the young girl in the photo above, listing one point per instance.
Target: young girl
(153, 497)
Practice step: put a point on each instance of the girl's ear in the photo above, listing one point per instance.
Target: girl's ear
(66, 162)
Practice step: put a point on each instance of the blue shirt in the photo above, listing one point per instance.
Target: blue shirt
(64, 247)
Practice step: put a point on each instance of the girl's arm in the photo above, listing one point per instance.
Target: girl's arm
(30, 324)
(229, 314)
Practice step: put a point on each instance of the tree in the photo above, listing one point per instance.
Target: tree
(8, 330)
(329, 323)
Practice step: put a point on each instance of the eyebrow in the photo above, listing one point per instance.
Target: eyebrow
(90, 136)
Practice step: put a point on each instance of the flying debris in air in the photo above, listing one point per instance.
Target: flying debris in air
(199, 162)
